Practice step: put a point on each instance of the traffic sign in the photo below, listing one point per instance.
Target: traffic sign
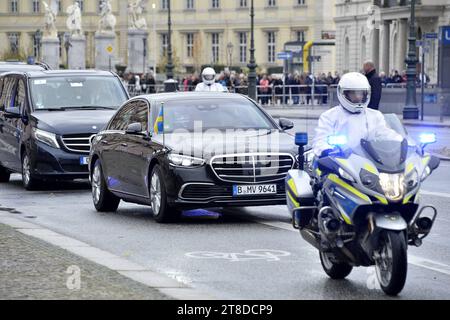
(284, 55)
(445, 36)
(110, 49)
(431, 36)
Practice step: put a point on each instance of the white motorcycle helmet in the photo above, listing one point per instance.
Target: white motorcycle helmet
(209, 76)
(354, 92)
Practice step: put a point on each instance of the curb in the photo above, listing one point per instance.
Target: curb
(160, 282)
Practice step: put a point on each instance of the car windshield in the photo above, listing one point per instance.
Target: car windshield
(60, 93)
(219, 114)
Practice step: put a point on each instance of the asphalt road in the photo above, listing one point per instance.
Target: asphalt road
(249, 253)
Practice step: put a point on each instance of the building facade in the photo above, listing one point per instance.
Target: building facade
(204, 31)
(378, 30)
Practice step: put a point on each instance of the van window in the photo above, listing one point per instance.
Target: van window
(19, 96)
(7, 92)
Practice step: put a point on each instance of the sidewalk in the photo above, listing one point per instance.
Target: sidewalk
(33, 269)
(314, 112)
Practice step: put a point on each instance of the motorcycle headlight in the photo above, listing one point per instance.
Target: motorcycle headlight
(45, 137)
(393, 186)
(179, 160)
(346, 175)
(412, 179)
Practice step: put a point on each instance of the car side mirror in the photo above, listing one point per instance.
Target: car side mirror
(134, 128)
(12, 113)
(286, 124)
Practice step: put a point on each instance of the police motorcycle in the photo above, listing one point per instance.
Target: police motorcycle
(361, 207)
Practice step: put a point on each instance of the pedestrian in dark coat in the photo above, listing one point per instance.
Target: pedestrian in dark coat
(375, 84)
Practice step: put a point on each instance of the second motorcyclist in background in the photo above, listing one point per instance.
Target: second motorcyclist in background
(351, 118)
(209, 82)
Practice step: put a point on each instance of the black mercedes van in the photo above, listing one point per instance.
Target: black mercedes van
(47, 120)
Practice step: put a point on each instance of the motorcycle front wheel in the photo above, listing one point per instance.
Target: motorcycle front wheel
(392, 262)
(334, 270)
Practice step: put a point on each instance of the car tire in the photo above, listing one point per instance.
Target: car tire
(162, 211)
(29, 182)
(103, 199)
(4, 175)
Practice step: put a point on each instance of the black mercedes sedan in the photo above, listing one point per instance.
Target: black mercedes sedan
(47, 120)
(182, 151)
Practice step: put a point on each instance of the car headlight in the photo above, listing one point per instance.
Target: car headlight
(179, 160)
(412, 179)
(346, 175)
(46, 137)
(393, 186)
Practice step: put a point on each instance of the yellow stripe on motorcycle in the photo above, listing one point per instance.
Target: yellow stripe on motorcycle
(348, 187)
(294, 202)
(371, 168)
(383, 200)
(406, 200)
(409, 168)
(292, 186)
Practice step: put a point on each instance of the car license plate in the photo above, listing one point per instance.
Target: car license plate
(254, 190)
(84, 161)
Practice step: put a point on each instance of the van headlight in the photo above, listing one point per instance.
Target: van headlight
(393, 186)
(45, 137)
(179, 160)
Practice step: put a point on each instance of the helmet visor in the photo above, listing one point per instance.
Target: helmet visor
(208, 77)
(357, 96)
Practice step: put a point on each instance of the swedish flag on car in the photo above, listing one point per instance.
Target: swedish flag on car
(159, 123)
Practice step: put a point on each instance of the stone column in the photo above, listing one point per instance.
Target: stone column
(375, 48)
(136, 62)
(50, 52)
(77, 53)
(402, 44)
(384, 52)
(105, 49)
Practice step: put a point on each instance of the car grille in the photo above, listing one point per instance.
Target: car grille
(208, 192)
(78, 143)
(252, 168)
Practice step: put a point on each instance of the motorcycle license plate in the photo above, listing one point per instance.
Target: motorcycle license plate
(242, 190)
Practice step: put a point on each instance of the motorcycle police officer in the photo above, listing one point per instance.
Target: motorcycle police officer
(209, 82)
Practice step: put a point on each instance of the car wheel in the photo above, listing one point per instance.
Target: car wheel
(104, 200)
(29, 182)
(4, 175)
(162, 212)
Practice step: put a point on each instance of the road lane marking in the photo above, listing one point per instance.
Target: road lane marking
(435, 194)
(414, 260)
(248, 255)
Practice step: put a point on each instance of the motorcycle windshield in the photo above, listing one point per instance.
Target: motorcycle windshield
(389, 156)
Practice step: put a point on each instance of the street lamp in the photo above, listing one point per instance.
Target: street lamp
(411, 111)
(38, 38)
(67, 45)
(154, 39)
(170, 85)
(144, 43)
(230, 48)
(252, 63)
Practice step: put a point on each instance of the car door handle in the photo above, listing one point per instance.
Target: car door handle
(124, 145)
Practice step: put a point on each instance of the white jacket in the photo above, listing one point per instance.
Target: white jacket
(216, 87)
(369, 125)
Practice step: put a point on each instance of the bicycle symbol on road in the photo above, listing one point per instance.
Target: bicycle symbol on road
(248, 255)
